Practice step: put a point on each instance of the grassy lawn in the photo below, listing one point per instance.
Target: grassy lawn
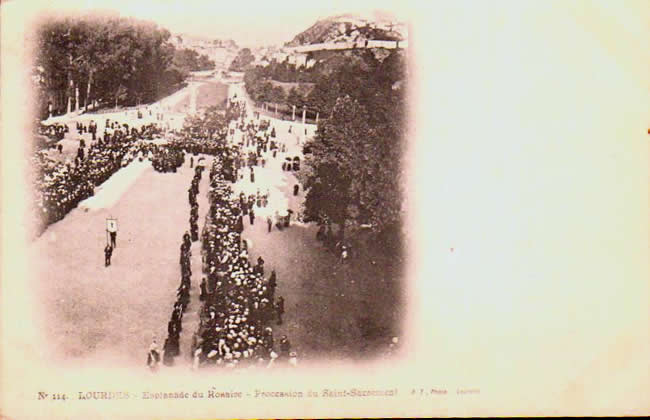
(211, 93)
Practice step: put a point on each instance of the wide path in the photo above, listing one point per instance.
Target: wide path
(334, 311)
(96, 314)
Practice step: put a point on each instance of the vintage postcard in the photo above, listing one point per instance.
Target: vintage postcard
(349, 209)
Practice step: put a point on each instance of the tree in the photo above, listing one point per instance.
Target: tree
(337, 151)
(295, 99)
(277, 95)
(244, 58)
(353, 175)
(205, 63)
(189, 60)
(90, 58)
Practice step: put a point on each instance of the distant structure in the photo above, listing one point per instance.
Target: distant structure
(222, 52)
(344, 32)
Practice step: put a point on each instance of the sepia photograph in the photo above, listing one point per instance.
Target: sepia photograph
(155, 154)
(356, 209)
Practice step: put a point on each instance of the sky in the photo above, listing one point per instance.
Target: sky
(250, 23)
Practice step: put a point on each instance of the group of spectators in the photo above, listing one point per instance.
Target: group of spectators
(290, 164)
(59, 186)
(238, 301)
(166, 159)
(193, 191)
(256, 139)
(54, 131)
(171, 347)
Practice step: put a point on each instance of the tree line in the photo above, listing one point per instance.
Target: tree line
(106, 61)
(188, 60)
(353, 173)
(318, 88)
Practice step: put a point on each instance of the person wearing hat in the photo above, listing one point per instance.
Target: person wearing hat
(287, 219)
(260, 265)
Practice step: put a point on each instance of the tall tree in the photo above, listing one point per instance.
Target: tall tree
(336, 153)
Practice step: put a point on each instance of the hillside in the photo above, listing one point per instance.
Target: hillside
(346, 28)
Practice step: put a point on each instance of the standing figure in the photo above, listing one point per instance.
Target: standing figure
(273, 283)
(204, 290)
(153, 357)
(285, 347)
(279, 308)
(287, 219)
(168, 354)
(108, 252)
(260, 265)
(113, 239)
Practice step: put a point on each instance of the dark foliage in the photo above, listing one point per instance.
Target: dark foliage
(111, 61)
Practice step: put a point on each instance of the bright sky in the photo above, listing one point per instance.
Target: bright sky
(249, 23)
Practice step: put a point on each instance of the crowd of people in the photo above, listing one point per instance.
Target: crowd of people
(194, 205)
(171, 348)
(167, 159)
(238, 301)
(61, 185)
